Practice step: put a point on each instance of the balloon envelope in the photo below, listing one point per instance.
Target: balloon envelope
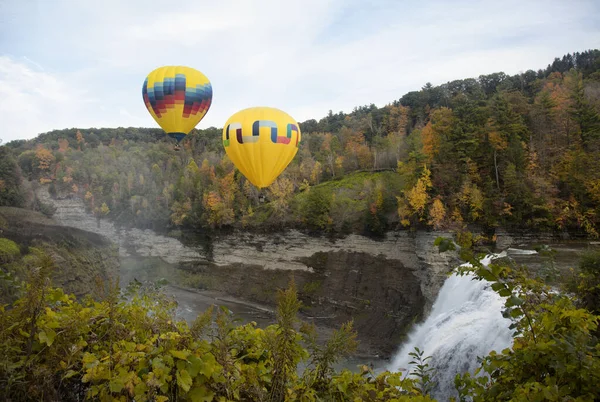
(261, 142)
(177, 97)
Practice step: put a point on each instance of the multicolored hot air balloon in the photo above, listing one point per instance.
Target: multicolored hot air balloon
(177, 97)
(261, 142)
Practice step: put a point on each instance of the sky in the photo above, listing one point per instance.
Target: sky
(74, 63)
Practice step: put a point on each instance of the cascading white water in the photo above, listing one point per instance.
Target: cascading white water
(465, 323)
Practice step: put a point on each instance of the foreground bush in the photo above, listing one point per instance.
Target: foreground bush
(126, 346)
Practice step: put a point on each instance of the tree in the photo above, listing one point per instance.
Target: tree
(63, 145)
(437, 213)
(414, 200)
(10, 180)
(583, 112)
(281, 192)
(44, 157)
(80, 140)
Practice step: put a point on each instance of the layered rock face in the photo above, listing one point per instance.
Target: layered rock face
(383, 285)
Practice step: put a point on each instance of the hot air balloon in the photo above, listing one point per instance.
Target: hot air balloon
(177, 97)
(261, 142)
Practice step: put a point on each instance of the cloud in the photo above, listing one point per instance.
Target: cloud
(34, 101)
(303, 56)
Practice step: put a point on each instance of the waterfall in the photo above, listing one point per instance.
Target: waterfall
(465, 323)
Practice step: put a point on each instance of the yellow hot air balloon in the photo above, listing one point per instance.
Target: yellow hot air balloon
(177, 97)
(261, 142)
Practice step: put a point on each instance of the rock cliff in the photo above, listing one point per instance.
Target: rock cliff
(383, 285)
(82, 258)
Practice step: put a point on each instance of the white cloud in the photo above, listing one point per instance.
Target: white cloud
(303, 56)
(34, 101)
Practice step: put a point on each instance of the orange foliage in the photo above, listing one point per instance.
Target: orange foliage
(45, 158)
(440, 123)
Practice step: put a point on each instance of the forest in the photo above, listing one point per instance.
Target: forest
(496, 151)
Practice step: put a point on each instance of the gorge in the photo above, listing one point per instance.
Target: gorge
(386, 286)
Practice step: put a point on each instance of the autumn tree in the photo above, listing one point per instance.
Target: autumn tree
(80, 140)
(45, 158)
(281, 192)
(219, 201)
(412, 204)
(437, 213)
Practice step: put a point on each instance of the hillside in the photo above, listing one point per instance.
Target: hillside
(498, 150)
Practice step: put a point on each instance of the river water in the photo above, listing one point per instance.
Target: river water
(465, 321)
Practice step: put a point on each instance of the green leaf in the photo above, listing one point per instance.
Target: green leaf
(516, 313)
(69, 374)
(201, 394)
(505, 292)
(195, 365)
(180, 354)
(184, 380)
(116, 384)
(208, 366)
(487, 275)
(47, 337)
(444, 244)
(514, 301)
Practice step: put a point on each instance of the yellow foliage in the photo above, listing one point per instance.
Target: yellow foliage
(593, 188)
(472, 197)
(282, 190)
(192, 167)
(437, 213)
(456, 216)
(417, 196)
(430, 142)
(497, 141)
(44, 157)
(403, 211)
(219, 214)
(315, 175)
(180, 211)
(507, 209)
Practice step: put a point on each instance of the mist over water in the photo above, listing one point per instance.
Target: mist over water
(465, 323)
